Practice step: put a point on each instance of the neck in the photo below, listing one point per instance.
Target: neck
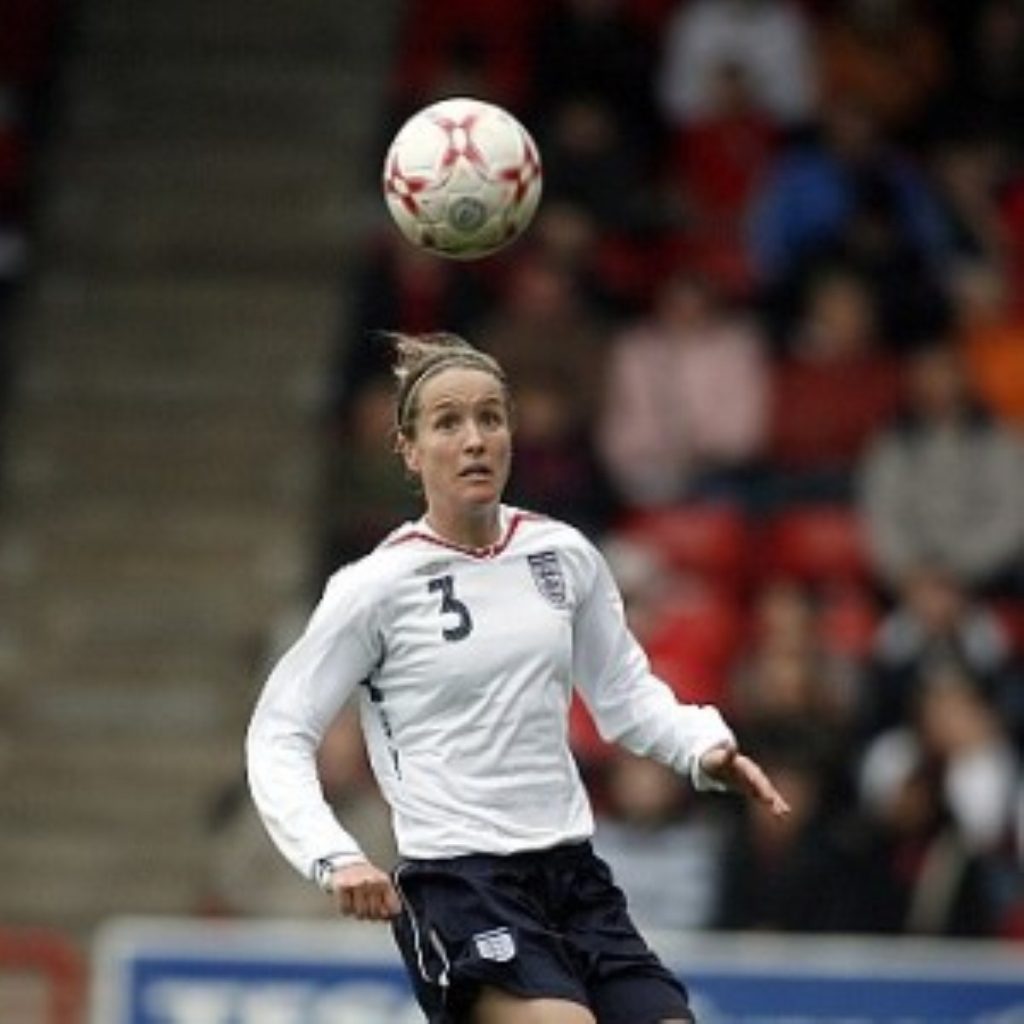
(479, 530)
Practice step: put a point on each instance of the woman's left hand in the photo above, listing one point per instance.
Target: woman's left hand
(725, 764)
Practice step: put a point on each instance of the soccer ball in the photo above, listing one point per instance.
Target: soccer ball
(462, 178)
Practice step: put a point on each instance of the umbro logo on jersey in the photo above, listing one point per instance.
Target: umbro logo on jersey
(547, 574)
(497, 945)
(433, 568)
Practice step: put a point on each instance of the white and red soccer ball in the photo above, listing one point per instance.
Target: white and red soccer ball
(462, 178)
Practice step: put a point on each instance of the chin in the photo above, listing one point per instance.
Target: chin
(484, 497)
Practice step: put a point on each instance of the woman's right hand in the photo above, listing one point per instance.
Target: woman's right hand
(365, 892)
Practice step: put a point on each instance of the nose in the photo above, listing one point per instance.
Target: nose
(474, 439)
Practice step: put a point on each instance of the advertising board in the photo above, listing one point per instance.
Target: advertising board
(194, 972)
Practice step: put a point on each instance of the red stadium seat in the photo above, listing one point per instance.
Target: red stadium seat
(710, 540)
(694, 645)
(817, 544)
(439, 34)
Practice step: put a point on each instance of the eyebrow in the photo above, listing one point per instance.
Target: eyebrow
(454, 403)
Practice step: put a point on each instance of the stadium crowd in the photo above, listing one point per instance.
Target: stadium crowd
(767, 339)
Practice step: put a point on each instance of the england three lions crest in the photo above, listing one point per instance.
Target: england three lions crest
(496, 945)
(548, 576)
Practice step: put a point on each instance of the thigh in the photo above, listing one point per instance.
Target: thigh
(493, 1006)
(625, 980)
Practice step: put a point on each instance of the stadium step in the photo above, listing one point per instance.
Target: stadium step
(158, 516)
(251, 173)
(100, 796)
(182, 338)
(59, 878)
(80, 777)
(121, 26)
(149, 231)
(241, 96)
(146, 462)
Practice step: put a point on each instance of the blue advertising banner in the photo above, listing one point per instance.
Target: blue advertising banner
(191, 972)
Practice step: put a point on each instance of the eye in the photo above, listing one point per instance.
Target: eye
(446, 421)
(492, 418)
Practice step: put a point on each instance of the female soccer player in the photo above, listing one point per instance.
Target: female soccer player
(465, 633)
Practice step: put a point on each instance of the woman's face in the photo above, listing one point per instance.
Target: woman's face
(462, 446)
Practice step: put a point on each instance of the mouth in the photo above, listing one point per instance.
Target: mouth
(475, 472)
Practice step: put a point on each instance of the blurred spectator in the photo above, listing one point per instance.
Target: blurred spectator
(944, 486)
(936, 624)
(543, 328)
(768, 40)
(968, 168)
(805, 872)
(685, 400)
(991, 339)
(789, 674)
(990, 86)
(663, 847)
(568, 236)
(885, 55)
(819, 423)
(716, 161)
(933, 884)
(850, 196)
(555, 469)
(595, 49)
(959, 727)
(590, 163)
(955, 731)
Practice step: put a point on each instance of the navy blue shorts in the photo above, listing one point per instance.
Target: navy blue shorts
(548, 924)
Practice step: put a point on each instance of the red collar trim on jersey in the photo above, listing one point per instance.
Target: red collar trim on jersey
(492, 551)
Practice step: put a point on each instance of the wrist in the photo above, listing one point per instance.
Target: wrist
(705, 777)
(325, 868)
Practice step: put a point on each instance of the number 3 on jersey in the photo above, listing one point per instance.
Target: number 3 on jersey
(451, 605)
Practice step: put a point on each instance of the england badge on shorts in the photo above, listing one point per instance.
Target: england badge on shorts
(547, 575)
(496, 945)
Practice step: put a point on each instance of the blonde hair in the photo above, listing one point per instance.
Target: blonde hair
(419, 357)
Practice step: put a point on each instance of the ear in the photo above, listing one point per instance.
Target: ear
(410, 455)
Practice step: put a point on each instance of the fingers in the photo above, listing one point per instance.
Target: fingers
(369, 901)
(365, 893)
(726, 764)
(759, 786)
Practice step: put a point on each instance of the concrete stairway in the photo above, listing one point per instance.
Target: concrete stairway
(162, 459)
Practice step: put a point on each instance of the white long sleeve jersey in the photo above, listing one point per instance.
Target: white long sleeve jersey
(465, 662)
